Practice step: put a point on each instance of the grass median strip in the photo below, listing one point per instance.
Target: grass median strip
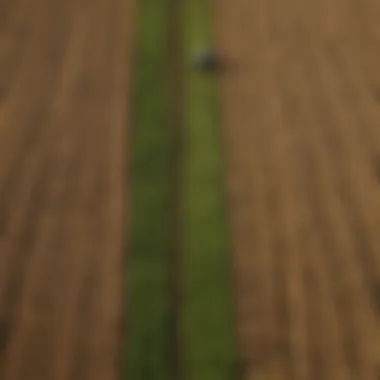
(148, 306)
(192, 197)
(208, 302)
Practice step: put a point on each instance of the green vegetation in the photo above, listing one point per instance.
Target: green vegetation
(208, 313)
(208, 349)
(148, 309)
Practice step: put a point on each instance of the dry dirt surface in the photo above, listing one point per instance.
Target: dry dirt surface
(302, 139)
(63, 87)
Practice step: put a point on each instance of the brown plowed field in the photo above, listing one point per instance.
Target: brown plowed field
(302, 136)
(63, 97)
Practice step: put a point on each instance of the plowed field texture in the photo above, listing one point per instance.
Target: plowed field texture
(159, 222)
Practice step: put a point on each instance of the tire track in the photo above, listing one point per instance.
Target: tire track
(32, 127)
(107, 336)
(22, 192)
(329, 356)
(250, 205)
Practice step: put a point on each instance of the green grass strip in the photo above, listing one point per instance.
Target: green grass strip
(148, 306)
(208, 303)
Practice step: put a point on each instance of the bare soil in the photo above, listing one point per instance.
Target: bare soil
(302, 141)
(63, 95)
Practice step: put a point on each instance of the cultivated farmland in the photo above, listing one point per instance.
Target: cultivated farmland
(111, 190)
(301, 122)
(63, 78)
